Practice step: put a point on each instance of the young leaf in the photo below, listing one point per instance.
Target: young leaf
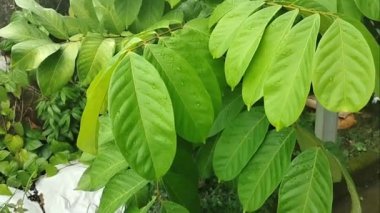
(142, 117)
(29, 54)
(369, 8)
(245, 43)
(128, 9)
(57, 69)
(150, 12)
(171, 207)
(265, 170)
(173, 3)
(94, 54)
(344, 71)
(119, 190)
(19, 31)
(255, 76)
(192, 104)
(106, 164)
(238, 143)
(307, 186)
(289, 78)
(225, 30)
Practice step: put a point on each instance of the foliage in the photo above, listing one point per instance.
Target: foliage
(156, 76)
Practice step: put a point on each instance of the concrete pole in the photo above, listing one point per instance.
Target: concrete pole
(326, 124)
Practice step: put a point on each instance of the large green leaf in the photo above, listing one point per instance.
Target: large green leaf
(128, 10)
(96, 98)
(254, 79)
(151, 11)
(20, 31)
(370, 8)
(238, 143)
(171, 207)
(245, 43)
(225, 31)
(181, 181)
(200, 59)
(119, 190)
(289, 78)
(84, 10)
(307, 186)
(94, 55)
(222, 9)
(106, 164)
(142, 117)
(265, 170)
(108, 17)
(56, 71)
(28, 55)
(192, 104)
(344, 70)
(232, 105)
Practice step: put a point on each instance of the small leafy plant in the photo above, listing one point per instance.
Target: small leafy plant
(158, 73)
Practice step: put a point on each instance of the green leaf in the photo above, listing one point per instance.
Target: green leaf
(4, 190)
(193, 110)
(225, 31)
(289, 78)
(221, 10)
(151, 11)
(56, 71)
(85, 12)
(29, 54)
(369, 8)
(245, 44)
(232, 105)
(181, 182)
(119, 190)
(256, 74)
(128, 10)
(307, 186)
(344, 70)
(204, 159)
(200, 59)
(355, 200)
(142, 117)
(106, 164)
(19, 31)
(349, 8)
(238, 143)
(96, 97)
(171, 207)
(265, 170)
(108, 17)
(94, 55)
(51, 170)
